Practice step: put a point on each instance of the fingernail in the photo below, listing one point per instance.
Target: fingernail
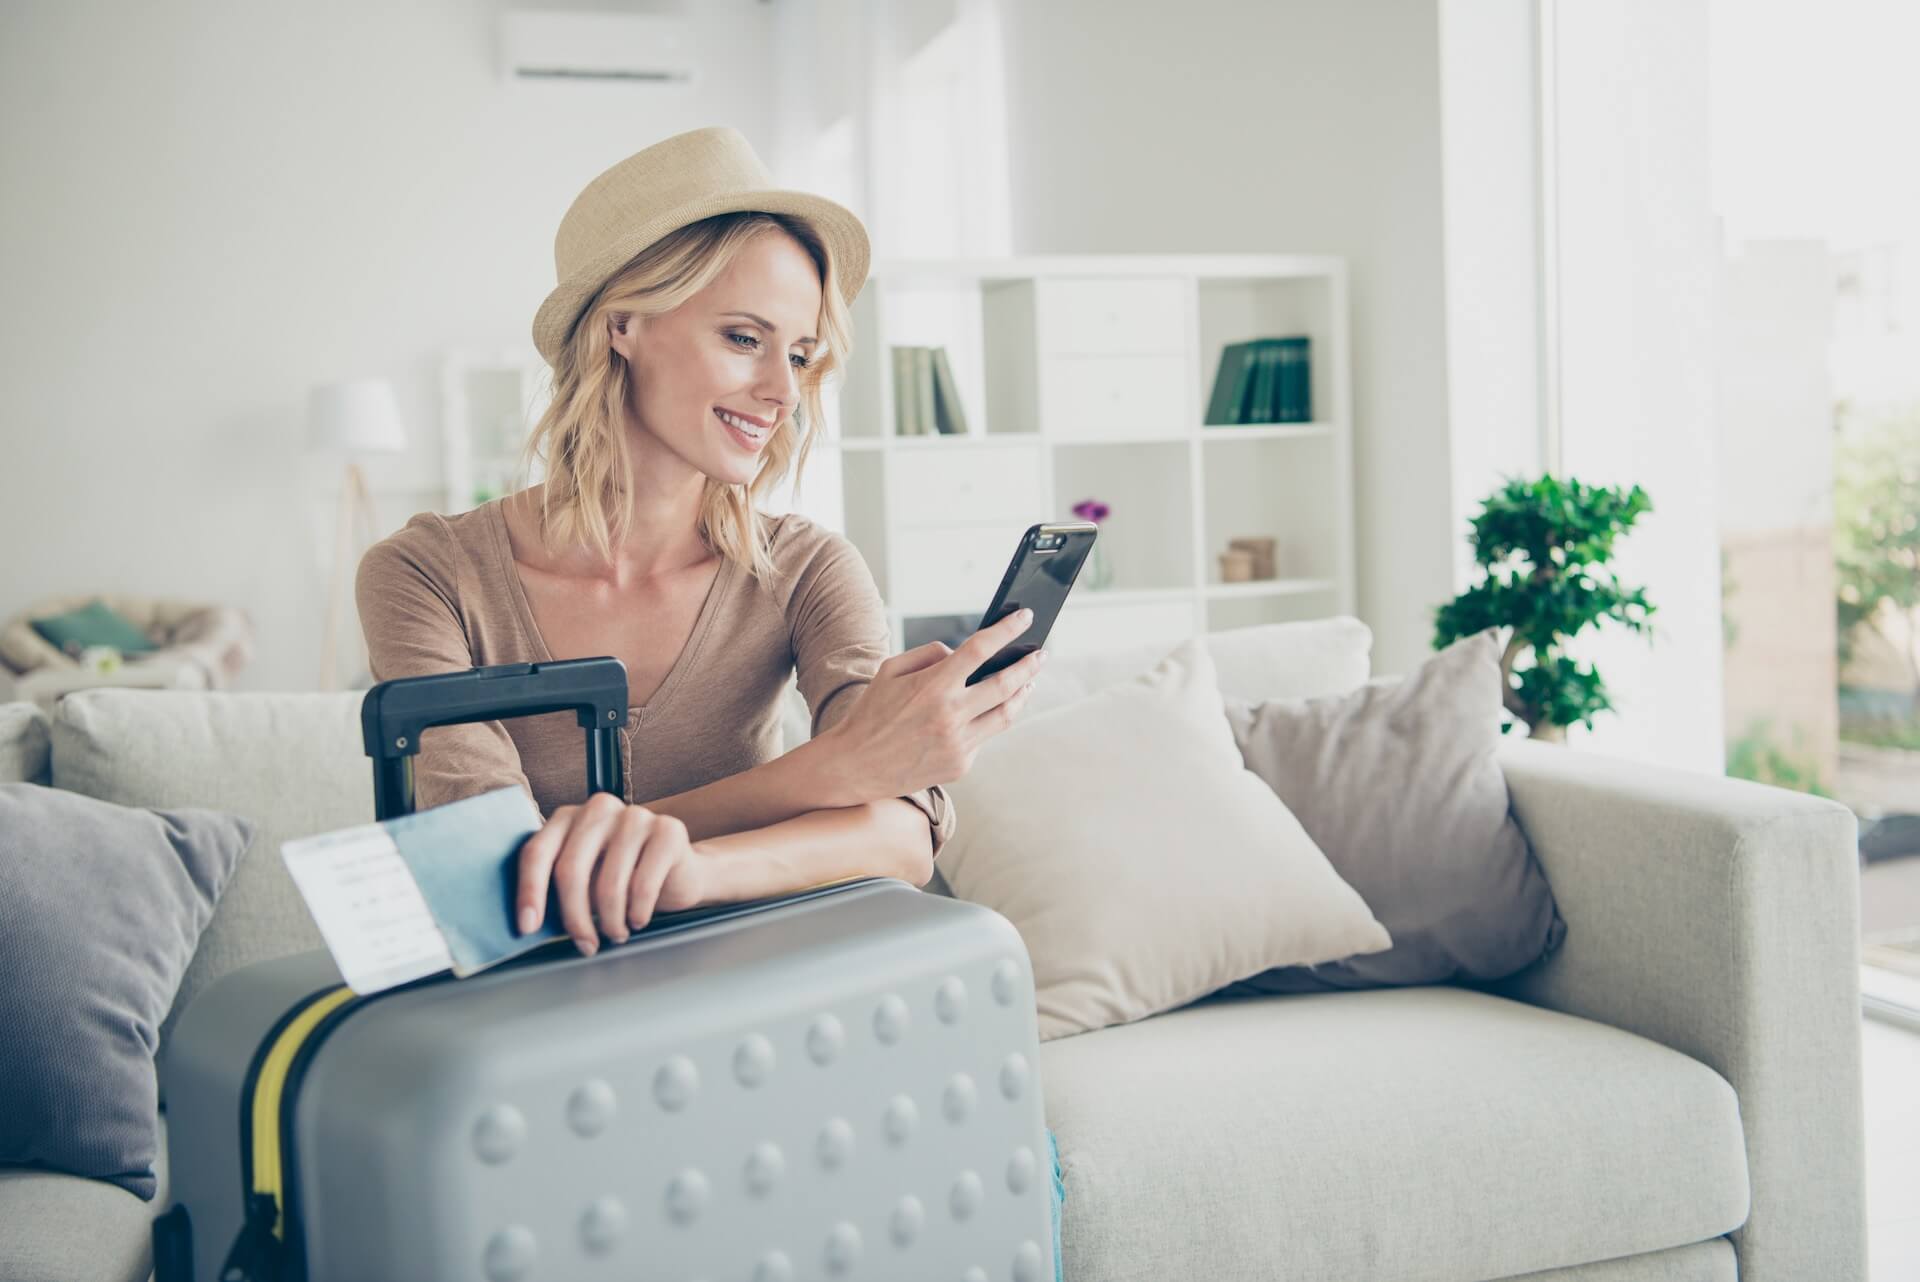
(588, 946)
(1026, 616)
(527, 922)
(1043, 656)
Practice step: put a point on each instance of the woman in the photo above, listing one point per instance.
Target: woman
(698, 312)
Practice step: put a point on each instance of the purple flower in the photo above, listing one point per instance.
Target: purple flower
(1091, 510)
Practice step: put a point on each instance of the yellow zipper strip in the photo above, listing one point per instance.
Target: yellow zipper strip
(266, 1097)
(818, 885)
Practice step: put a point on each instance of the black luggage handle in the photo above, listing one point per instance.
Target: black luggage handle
(395, 712)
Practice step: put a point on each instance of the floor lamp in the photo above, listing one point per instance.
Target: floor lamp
(360, 416)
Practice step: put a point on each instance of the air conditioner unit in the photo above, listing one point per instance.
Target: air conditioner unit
(547, 45)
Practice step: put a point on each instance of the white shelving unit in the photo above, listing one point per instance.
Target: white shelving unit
(489, 402)
(1089, 377)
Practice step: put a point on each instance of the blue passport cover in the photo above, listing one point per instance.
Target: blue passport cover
(465, 856)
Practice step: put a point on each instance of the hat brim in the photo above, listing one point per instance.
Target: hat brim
(844, 234)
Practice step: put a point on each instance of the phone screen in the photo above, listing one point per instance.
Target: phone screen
(1038, 578)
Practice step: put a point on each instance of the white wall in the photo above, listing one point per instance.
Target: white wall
(1294, 125)
(1775, 391)
(1490, 181)
(211, 204)
(1639, 258)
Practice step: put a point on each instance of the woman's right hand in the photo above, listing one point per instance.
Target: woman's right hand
(611, 866)
(919, 723)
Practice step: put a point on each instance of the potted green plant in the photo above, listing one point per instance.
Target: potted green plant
(1543, 546)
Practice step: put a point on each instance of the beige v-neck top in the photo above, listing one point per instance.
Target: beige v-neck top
(442, 594)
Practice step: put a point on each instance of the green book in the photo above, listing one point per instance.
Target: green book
(1243, 403)
(948, 416)
(1234, 363)
(1303, 380)
(1294, 403)
(1260, 396)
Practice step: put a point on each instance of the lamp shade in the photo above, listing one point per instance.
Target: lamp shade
(359, 416)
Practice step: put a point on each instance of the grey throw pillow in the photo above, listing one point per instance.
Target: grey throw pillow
(1398, 784)
(103, 906)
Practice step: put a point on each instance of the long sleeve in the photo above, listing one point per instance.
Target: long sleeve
(840, 636)
(406, 590)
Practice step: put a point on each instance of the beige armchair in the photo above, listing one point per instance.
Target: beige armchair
(202, 647)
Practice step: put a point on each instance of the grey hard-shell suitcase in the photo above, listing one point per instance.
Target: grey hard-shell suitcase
(841, 1082)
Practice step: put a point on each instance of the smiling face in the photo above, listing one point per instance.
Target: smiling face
(735, 350)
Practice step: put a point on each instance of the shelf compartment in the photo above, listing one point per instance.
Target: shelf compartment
(1129, 397)
(1284, 488)
(997, 484)
(1148, 539)
(928, 313)
(1081, 359)
(1092, 316)
(1238, 310)
(956, 567)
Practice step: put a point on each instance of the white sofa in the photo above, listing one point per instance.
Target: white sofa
(1673, 1094)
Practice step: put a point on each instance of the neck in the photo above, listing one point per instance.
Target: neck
(661, 541)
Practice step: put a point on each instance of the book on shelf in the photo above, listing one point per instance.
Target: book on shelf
(923, 389)
(926, 397)
(1227, 385)
(1263, 380)
(1260, 399)
(906, 412)
(948, 416)
(1296, 388)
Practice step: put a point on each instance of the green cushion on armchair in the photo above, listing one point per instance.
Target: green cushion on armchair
(95, 623)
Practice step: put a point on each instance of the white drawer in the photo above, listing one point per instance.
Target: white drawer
(1085, 396)
(968, 483)
(1109, 317)
(952, 568)
(1088, 627)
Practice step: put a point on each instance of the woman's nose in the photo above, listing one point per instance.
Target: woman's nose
(782, 389)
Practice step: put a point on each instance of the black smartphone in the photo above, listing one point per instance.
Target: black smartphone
(1038, 578)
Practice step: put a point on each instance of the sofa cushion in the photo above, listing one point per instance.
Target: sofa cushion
(1268, 661)
(291, 763)
(1438, 1133)
(23, 743)
(1398, 783)
(77, 1230)
(1142, 864)
(105, 905)
(95, 623)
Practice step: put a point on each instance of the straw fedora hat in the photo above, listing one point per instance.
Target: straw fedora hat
(688, 177)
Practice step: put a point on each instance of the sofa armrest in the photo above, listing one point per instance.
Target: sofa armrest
(1721, 918)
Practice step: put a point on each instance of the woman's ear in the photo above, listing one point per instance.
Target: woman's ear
(620, 332)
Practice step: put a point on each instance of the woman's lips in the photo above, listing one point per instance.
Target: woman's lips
(739, 437)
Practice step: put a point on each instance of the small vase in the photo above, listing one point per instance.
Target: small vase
(1098, 572)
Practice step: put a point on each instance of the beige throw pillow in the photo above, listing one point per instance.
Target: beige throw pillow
(1142, 863)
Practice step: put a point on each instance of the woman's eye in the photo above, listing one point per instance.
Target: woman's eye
(799, 362)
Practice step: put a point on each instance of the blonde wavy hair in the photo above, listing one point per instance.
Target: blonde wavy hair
(581, 438)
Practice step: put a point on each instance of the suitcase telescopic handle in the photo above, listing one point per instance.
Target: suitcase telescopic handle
(395, 712)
